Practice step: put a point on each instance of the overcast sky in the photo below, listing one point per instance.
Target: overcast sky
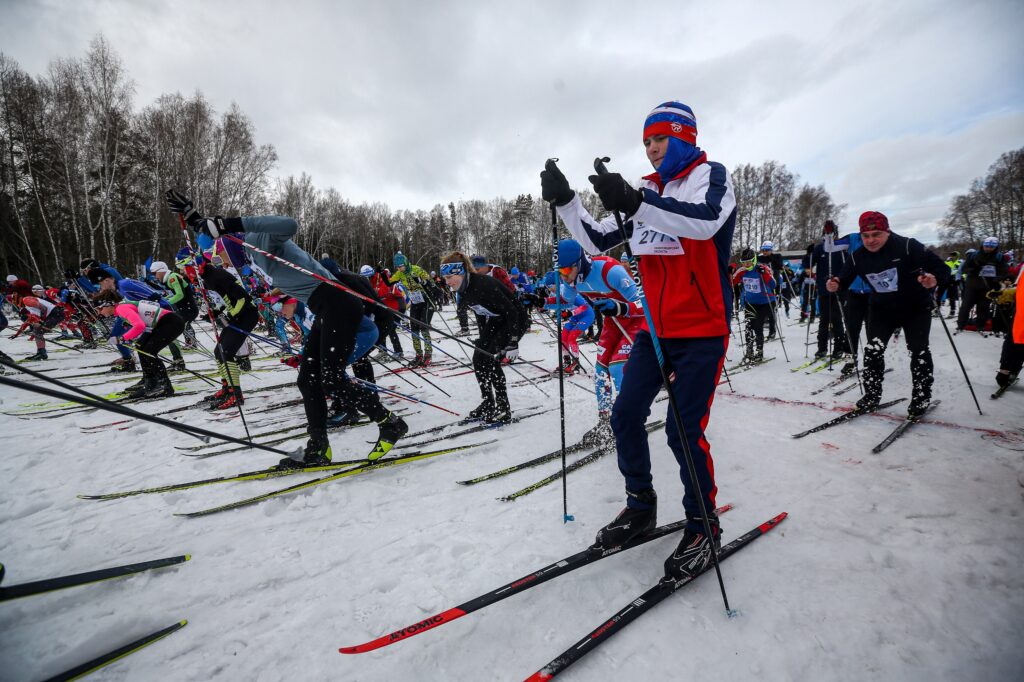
(893, 106)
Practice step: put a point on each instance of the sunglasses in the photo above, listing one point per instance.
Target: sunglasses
(566, 271)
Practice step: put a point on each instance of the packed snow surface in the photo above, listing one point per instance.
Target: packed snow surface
(907, 565)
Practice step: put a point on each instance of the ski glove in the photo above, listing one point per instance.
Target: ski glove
(553, 185)
(616, 194)
(614, 308)
(182, 205)
(510, 354)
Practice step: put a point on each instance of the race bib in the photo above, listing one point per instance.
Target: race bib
(416, 296)
(647, 241)
(885, 282)
(988, 271)
(480, 310)
(751, 286)
(149, 311)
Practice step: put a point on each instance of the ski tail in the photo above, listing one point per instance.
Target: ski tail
(641, 605)
(115, 655)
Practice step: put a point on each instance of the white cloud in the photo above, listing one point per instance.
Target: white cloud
(414, 104)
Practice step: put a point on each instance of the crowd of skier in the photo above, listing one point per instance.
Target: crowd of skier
(656, 283)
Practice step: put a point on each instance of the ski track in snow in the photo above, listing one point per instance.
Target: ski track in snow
(906, 565)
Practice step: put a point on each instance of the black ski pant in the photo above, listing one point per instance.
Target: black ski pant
(489, 375)
(1011, 357)
(757, 314)
(163, 334)
(856, 306)
(231, 339)
(328, 347)
(830, 323)
(462, 312)
(951, 289)
(975, 289)
(882, 322)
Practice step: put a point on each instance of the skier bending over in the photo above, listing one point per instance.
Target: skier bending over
(680, 222)
(332, 339)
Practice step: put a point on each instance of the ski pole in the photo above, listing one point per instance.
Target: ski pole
(374, 387)
(138, 350)
(561, 369)
(339, 285)
(402, 377)
(599, 166)
(117, 408)
(961, 362)
(56, 343)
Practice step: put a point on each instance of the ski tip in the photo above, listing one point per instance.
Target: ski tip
(188, 557)
(539, 676)
(724, 508)
(182, 623)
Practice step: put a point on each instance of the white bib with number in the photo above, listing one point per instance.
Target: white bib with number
(149, 311)
(988, 271)
(647, 241)
(752, 286)
(885, 282)
(416, 296)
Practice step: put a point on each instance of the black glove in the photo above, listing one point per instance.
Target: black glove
(179, 203)
(70, 273)
(616, 194)
(553, 185)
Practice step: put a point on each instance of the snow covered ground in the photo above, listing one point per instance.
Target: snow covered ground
(908, 565)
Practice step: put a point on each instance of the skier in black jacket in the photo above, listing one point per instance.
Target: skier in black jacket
(982, 272)
(238, 319)
(502, 322)
(902, 275)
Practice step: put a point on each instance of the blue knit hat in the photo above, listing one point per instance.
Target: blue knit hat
(478, 261)
(675, 120)
(570, 253)
(399, 260)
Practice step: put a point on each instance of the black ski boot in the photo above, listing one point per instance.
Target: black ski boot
(918, 405)
(502, 413)
(244, 363)
(317, 453)
(39, 355)
(161, 388)
(176, 366)
(869, 402)
(482, 411)
(138, 388)
(342, 418)
(392, 428)
(631, 522)
(693, 554)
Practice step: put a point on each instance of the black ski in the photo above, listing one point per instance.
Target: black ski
(901, 429)
(845, 417)
(52, 584)
(531, 580)
(1003, 389)
(554, 454)
(640, 606)
(95, 664)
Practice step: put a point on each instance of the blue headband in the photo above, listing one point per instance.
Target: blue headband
(457, 268)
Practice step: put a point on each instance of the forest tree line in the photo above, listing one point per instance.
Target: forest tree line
(83, 172)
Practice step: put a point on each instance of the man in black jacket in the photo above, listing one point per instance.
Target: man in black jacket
(982, 271)
(902, 275)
